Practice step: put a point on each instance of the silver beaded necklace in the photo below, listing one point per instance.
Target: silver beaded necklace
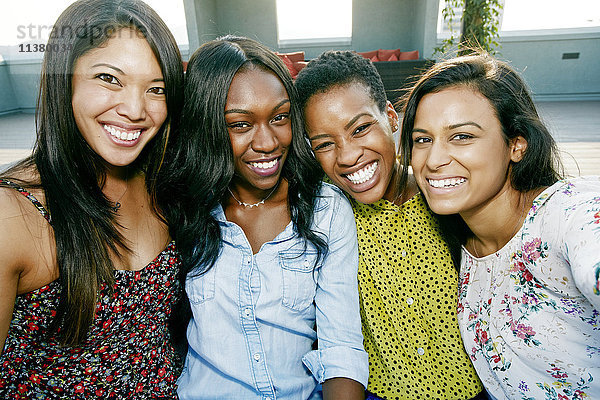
(248, 205)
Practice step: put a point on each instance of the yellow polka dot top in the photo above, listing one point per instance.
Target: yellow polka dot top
(408, 297)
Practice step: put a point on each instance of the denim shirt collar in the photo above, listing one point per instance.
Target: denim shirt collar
(230, 230)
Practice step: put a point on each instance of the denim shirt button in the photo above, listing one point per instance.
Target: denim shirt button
(306, 264)
(247, 311)
(256, 357)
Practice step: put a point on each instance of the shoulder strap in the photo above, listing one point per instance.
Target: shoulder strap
(36, 203)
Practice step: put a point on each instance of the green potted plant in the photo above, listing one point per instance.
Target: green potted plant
(480, 25)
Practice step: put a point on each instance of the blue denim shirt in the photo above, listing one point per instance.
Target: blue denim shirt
(253, 323)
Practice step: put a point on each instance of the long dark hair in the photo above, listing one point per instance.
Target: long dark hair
(203, 166)
(71, 174)
(509, 96)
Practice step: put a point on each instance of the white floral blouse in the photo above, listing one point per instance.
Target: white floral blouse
(529, 314)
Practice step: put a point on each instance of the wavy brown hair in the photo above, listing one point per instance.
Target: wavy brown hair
(511, 100)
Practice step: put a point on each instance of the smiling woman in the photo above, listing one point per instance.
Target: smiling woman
(269, 250)
(406, 279)
(87, 280)
(129, 104)
(527, 242)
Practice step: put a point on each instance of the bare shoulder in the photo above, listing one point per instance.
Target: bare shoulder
(12, 220)
(26, 241)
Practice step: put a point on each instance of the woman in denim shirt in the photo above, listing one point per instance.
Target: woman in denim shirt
(271, 252)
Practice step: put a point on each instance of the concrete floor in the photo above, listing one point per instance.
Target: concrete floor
(575, 125)
(571, 121)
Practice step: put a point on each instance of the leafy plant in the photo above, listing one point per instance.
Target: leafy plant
(480, 22)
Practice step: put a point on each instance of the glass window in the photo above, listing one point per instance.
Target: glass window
(314, 21)
(25, 22)
(521, 15)
(533, 15)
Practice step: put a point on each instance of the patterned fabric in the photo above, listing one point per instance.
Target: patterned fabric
(408, 286)
(36, 203)
(529, 313)
(127, 353)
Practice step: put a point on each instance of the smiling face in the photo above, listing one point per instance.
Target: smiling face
(257, 114)
(460, 157)
(352, 140)
(118, 98)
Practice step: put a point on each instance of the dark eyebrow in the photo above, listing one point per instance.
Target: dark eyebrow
(475, 124)
(109, 66)
(237, 111)
(241, 111)
(450, 127)
(348, 125)
(318, 137)
(281, 103)
(353, 120)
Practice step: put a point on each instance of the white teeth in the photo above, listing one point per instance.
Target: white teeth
(445, 183)
(363, 175)
(122, 135)
(264, 165)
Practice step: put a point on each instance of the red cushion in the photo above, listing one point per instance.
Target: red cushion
(369, 54)
(288, 63)
(386, 55)
(298, 65)
(393, 58)
(294, 57)
(375, 58)
(409, 55)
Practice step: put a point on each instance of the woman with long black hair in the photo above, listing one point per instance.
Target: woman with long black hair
(526, 239)
(268, 249)
(87, 276)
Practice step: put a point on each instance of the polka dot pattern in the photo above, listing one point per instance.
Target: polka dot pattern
(408, 297)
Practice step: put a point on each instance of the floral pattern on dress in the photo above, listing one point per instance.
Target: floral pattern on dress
(528, 315)
(127, 353)
(597, 286)
(562, 388)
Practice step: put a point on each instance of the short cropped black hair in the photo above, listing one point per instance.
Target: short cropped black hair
(338, 68)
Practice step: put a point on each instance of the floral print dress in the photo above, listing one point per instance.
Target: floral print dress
(529, 314)
(127, 353)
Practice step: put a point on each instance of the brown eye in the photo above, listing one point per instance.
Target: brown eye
(157, 90)
(462, 136)
(239, 126)
(280, 117)
(421, 139)
(322, 146)
(361, 129)
(108, 78)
